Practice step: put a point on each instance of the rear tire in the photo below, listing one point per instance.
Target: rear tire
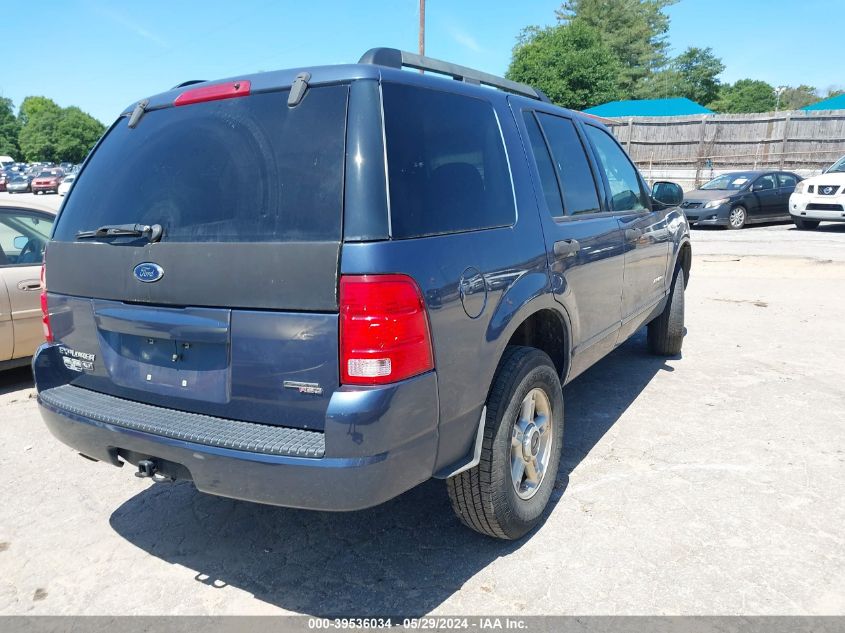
(666, 332)
(806, 225)
(486, 497)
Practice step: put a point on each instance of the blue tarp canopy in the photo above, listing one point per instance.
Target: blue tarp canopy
(676, 106)
(833, 103)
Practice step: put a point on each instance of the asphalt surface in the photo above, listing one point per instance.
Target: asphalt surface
(706, 484)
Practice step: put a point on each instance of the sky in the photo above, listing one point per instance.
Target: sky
(103, 55)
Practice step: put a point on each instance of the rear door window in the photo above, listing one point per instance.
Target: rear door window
(447, 168)
(787, 180)
(573, 167)
(249, 169)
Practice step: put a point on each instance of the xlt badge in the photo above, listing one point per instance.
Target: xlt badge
(304, 387)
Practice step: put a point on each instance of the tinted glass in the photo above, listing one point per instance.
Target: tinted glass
(573, 167)
(626, 193)
(765, 182)
(23, 237)
(545, 167)
(447, 167)
(787, 180)
(249, 169)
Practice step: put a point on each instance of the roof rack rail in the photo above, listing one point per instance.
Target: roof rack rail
(394, 58)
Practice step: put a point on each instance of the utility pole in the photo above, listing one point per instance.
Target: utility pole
(422, 27)
(778, 92)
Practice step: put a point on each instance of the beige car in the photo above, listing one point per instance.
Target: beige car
(24, 230)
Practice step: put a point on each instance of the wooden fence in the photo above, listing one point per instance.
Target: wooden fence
(776, 140)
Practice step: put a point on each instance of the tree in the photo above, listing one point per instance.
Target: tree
(698, 69)
(635, 30)
(692, 74)
(76, 134)
(39, 117)
(569, 62)
(746, 95)
(9, 129)
(49, 132)
(796, 98)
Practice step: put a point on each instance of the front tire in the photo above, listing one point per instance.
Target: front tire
(737, 218)
(505, 495)
(666, 332)
(806, 225)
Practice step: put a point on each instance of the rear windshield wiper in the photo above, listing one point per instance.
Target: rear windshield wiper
(152, 232)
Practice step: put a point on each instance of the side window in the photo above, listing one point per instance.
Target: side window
(447, 168)
(573, 166)
(764, 183)
(545, 167)
(625, 190)
(23, 237)
(787, 180)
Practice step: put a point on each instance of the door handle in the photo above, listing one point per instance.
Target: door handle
(632, 235)
(29, 285)
(565, 248)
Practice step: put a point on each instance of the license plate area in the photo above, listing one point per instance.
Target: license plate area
(174, 352)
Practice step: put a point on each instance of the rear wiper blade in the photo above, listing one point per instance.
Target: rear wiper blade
(152, 232)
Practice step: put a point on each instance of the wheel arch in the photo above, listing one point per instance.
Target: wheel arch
(684, 260)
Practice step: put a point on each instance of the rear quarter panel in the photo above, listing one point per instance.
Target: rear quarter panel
(513, 263)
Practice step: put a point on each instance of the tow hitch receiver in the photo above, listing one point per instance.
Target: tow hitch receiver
(146, 468)
(149, 469)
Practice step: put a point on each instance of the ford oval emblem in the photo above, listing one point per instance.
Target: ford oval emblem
(148, 272)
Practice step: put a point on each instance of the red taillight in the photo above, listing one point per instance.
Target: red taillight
(216, 92)
(384, 335)
(45, 314)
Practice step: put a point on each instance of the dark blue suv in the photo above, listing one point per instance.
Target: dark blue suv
(320, 287)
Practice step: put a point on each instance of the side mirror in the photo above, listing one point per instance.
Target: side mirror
(20, 241)
(667, 193)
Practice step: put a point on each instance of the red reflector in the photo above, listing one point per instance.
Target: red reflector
(45, 313)
(384, 334)
(214, 93)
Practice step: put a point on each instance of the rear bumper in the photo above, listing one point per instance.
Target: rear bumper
(379, 443)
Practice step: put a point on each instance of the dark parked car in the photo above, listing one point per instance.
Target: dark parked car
(47, 181)
(742, 197)
(321, 288)
(19, 184)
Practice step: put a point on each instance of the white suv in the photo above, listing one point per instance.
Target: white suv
(820, 198)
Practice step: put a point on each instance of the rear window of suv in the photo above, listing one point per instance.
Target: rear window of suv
(447, 169)
(248, 169)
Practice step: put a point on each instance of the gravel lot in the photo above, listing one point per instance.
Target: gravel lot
(710, 484)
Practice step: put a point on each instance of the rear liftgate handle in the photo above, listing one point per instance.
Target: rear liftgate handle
(565, 248)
